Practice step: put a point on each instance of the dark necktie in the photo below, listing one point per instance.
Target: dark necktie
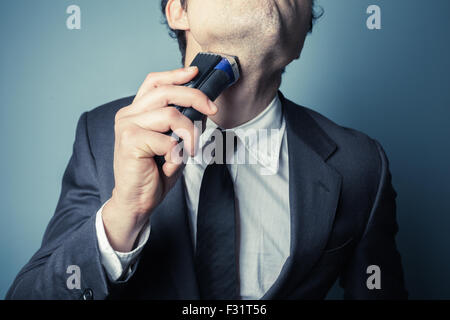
(216, 261)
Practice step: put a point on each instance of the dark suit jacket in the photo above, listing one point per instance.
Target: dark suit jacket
(342, 220)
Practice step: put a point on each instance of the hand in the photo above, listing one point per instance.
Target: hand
(140, 185)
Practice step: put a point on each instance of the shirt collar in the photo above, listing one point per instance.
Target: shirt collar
(270, 127)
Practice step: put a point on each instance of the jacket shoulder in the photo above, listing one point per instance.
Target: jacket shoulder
(353, 145)
(100, 121)
(363, 166)
(105, 114)
(359, 158)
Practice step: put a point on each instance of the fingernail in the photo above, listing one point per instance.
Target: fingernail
(191, 69)
(212, 106)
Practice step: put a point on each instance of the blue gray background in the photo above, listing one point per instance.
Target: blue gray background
(393, 84)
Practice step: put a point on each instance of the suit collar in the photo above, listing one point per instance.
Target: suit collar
(306, 129)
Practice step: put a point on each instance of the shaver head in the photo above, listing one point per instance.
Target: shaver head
(230, 65)
(210, 63)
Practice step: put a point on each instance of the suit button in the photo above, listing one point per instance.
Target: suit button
(88, 294)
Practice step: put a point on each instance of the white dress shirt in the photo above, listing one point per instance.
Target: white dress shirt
(261, 189)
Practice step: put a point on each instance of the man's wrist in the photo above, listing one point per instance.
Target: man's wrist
(119, 266)
(120, 231)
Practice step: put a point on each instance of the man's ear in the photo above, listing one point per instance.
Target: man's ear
(176, 15)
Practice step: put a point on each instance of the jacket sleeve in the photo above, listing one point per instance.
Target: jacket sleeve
(69, 250)
(377, 247)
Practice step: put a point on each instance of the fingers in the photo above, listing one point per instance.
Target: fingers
(140, 143)
(174, 77)
(165, 119)
(140, 126)
(169, 169)
(174, 95)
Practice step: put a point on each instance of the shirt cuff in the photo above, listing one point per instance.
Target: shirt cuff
(114, 262)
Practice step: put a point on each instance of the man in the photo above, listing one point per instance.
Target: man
(208, 231)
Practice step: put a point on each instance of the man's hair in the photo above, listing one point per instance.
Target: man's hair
(180, 35)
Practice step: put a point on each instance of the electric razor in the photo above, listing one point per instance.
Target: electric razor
(216, 72)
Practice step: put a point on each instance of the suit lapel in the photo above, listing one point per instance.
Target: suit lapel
(314, 189)
(170, 222)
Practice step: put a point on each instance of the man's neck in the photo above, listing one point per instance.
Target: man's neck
(246, 99)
